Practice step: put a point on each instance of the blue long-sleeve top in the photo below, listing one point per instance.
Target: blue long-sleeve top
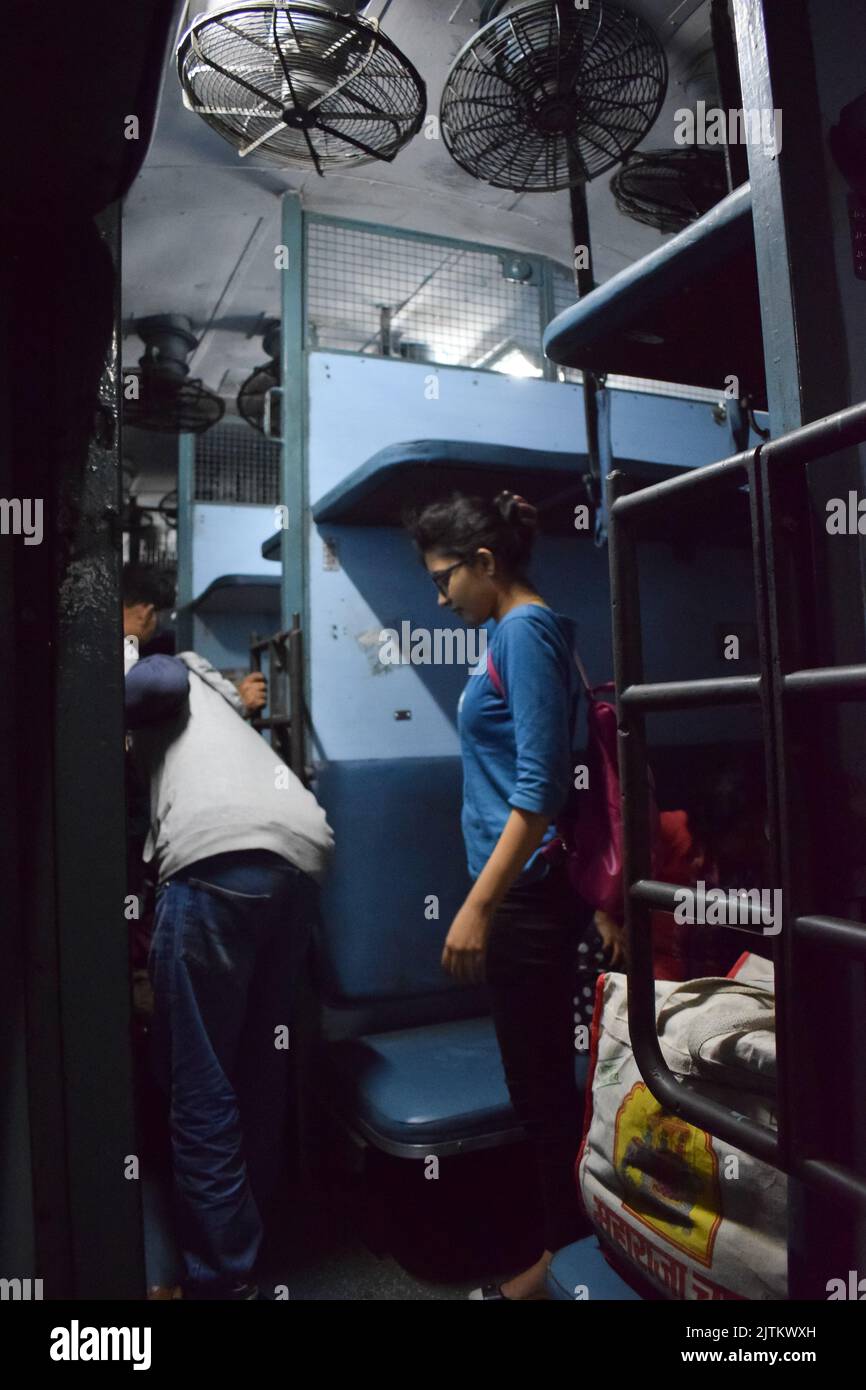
(517, 747)
(157, 687)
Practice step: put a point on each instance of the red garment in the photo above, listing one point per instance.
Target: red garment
(684, 951)
(675, 863)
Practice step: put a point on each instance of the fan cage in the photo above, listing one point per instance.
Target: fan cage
(298, 83)
(669, 189)
(544, 98)
(251, 398)
(167, 405)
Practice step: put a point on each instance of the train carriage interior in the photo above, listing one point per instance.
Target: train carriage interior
(303, 268)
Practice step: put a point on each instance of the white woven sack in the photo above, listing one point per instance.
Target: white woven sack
(695, 1217)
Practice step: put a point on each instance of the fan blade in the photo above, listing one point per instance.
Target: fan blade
(350, 140)
(233, 76)
(283, 63)
(261, 140)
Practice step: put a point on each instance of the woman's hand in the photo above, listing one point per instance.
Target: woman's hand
(613, 937)
(466, 942)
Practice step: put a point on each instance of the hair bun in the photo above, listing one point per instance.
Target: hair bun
(515, 509)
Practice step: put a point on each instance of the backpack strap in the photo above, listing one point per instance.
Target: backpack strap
(495, 678)
(582, 670)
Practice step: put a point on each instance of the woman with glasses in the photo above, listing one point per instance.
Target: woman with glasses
(520, 923)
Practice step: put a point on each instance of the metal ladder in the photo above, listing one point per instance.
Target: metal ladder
(789, 692)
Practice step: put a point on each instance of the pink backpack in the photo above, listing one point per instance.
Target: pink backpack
(590, 822)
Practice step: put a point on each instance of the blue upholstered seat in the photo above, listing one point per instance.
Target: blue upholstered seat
(396, 825)
(427, 1090)
(582, 1267)
(410, 1057)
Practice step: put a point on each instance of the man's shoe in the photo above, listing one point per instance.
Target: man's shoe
(243, 1293)
(239, 1293)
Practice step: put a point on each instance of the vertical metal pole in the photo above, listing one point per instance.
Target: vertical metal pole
(90, 817)
(631, 745)
(803, 330)
(293, 471)
(585, 284)
(725, 51)
(761, 538)
(546, 311)
(185, 504)
(807, 371)
(295, 642)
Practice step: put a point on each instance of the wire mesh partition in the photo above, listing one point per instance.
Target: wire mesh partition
(235, 464)
(426, 299)
(381, 292)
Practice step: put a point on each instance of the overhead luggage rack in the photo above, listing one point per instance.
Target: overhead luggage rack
(237, 593)
(689, 312)
(789, 693)
(425, 470)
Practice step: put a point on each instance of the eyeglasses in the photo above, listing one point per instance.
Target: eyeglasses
(442, 578)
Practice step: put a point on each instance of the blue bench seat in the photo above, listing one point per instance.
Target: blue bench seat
(434, 1090)
(583, 1266)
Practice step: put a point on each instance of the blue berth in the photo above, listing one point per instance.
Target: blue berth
(689, 312)
(375, 493)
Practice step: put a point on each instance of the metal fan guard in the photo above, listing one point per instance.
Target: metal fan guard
(251, 397)
(169, 406)
(557, 116)
(668, 189)
(299, 83)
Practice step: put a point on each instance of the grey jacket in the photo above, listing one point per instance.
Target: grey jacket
(215, 785)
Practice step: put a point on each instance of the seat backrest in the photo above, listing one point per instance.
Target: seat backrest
(398, 877)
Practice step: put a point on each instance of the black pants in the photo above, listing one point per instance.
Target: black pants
(531, 972)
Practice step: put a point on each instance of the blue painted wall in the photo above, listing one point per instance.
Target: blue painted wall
(227, 539)
(359, 405)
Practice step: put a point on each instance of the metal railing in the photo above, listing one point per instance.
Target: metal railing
(778, 692)
(286, 693)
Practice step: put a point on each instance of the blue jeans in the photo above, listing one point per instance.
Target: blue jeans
(230, 935)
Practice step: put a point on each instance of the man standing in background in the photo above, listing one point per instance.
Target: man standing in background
(240, 847)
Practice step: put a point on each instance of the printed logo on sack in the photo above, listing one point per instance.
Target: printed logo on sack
(669, 1174)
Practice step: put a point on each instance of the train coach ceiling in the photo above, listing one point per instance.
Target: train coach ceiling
(203, 217)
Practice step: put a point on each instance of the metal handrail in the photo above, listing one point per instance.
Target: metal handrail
(286, 725)
(663, 898)
(635, 698)
(721, 690)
